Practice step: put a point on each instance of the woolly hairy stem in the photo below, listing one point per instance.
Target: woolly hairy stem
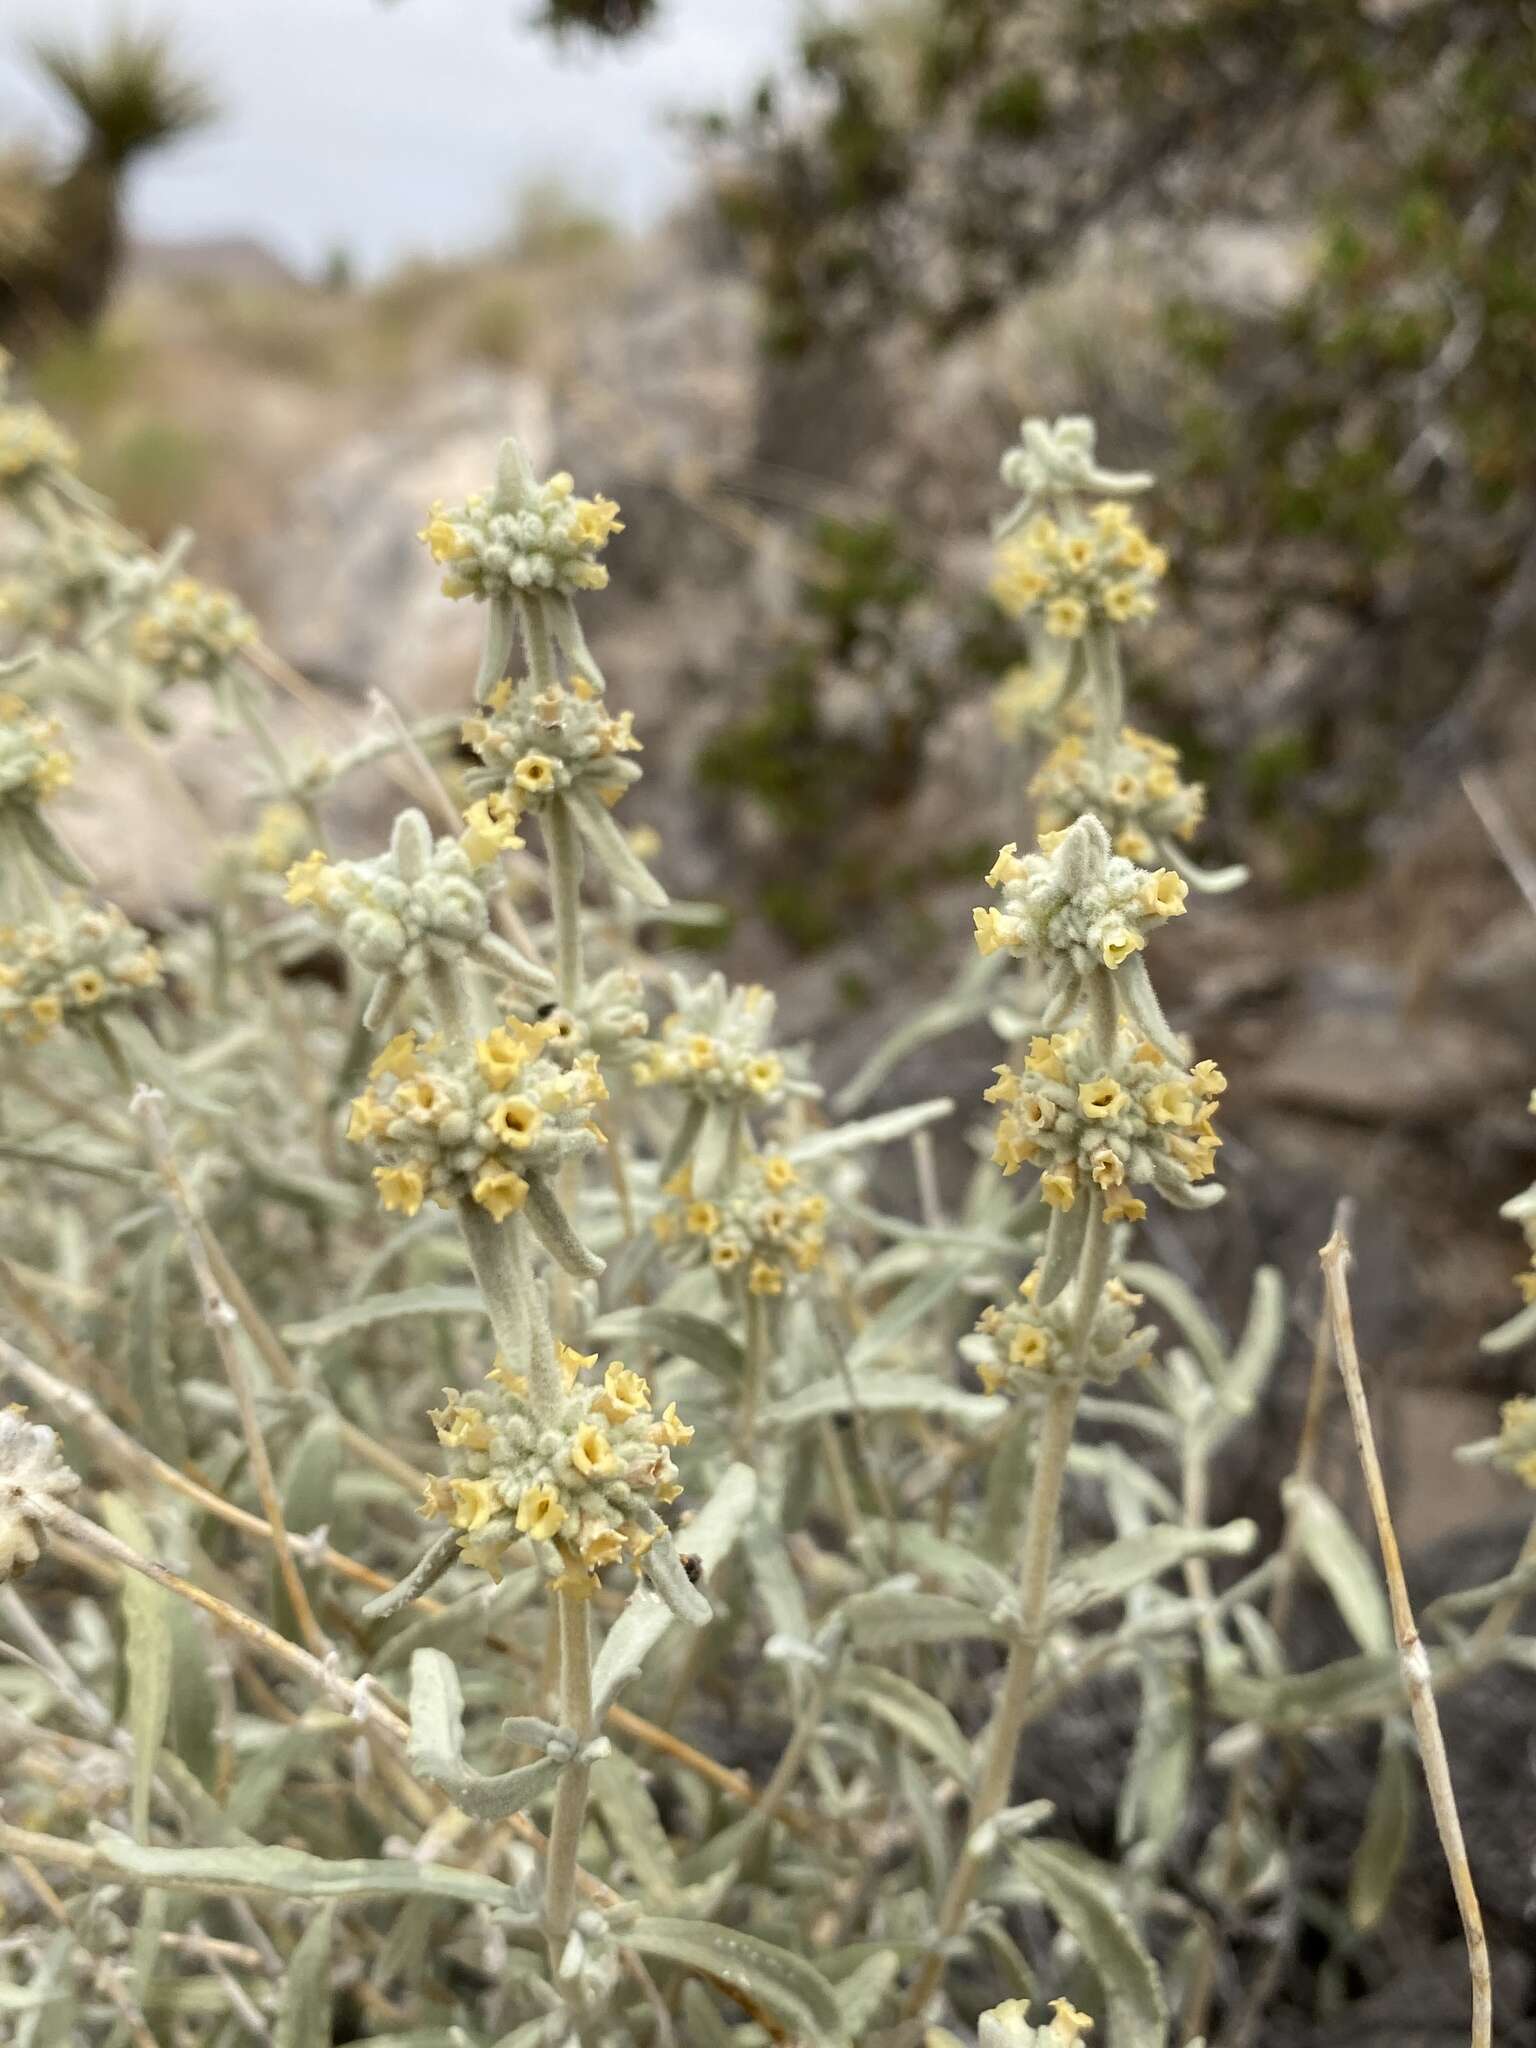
(1416, 1672)
(1092, 1271)
(498, 1253)
(450, 1003)
(537, 640)
(1001, 1740)
(575, 1635)
(562, 843)
(754, 1364)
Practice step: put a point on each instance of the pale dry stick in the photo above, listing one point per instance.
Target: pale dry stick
(1415, 1664)
(222, 1321)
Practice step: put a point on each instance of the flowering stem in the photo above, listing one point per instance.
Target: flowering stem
(563, 844)
(1000, 1743)
(1106, 685)
(1092, 1270)
(754, 1364)
(536, 638)
(575, 1627)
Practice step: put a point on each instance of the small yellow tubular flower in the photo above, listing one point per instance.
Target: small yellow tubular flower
(368, 1117)
(47, 1011)
(487, 835)
(306, 880)
(1108, 1169)
(87, 986)
(1103, 1097)
(701, 1219)
(1066, 618)
(1119, 944)
(573, 1363)
(1163, 894)
(500, 1194)
(991, 931)
(765, 1073)
(515, 1121)
(401, 1188)
(1124, 1208)
(765, 1277)
(443, 539)
(1029, 1346)
(592, 1454)
(1006, 868)
(397, 1058)
(541, 1513)
(460, 1428)
(603, 1547)
(778, 1173)
(671, 1429)
(1170, 1102)
(1208, 1078)
(475, 1502)
(1059, 1189)
(1067, 2022)
(624, 1394)
(535, 773)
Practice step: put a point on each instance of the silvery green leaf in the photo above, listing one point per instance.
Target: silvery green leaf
(384, 1308)
(151, 1362)
(1257, 1349)
(684, 1138)
(1520, 1329)
(304, 2017)
(1064, 1237)
(1470, 1599)
(1081, 1894)
(716, 1142)
(777, 1582)
(613, 852)
(937, 1557)
(675, 1330)
(886, 1393)
(771, 1979)
(936, 1282)
(1109, 1574)
(862, 1992)
(437, 1559)
(1351, 1689)
(147, 1652)
(884, 1620)
(436, 1749)
(646, 1617)
(915, 1715)
(663, 1569)
(1336, 1554)
(1154, 1798)
(1377, 1862)
(553, 1228)
(629, 1818)
(1179, 1301)
(936, 1020)
(705, 2028)
(294, 1874)
(871, 1130)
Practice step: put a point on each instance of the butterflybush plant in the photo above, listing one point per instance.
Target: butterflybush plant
(522, 1546)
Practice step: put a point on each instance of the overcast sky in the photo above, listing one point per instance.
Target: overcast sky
(394, 128)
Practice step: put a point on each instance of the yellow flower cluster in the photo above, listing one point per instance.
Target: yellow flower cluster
(281, 832)
(1098, 567)
(188, 632)
(1074, 902)
(1137, 792)
(588, 1480)
(452, 1127)
(523, 536)
(716, 1046)
(1023, 1344)
(769, 1227)
(90, 960)
(33, 766)
(66, 576)
(1107, 1126)
(536, 745)
(31, 443)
